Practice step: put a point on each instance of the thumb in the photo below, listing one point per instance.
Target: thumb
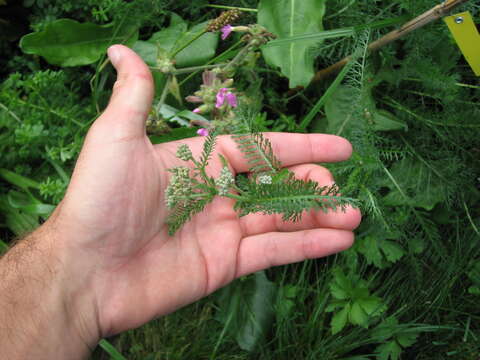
(132, 96)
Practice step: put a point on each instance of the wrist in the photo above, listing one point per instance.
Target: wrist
(48, 309)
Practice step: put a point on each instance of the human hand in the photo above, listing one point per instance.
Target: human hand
(111, 226)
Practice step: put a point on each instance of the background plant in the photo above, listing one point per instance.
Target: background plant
(409, 286)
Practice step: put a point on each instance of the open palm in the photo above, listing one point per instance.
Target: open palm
(114, 213)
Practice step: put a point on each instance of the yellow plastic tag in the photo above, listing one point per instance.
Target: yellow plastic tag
(467, 37)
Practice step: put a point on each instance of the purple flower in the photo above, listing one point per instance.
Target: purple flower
(226, 31)
(202, 132)
(225, 95)
(196, 111)
(231, 99)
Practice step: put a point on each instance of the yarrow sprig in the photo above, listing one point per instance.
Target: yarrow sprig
(270, 189)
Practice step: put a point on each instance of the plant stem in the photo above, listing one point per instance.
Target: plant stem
(331, 89)
(232, 8)
(212, 61)
(426, 18)
(196, 37)
(163, 97)
(196, 68)
(238, 57)
(11, 113)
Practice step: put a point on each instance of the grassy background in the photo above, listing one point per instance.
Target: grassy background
(419, 188)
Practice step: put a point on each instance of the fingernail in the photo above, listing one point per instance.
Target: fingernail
(114, 54)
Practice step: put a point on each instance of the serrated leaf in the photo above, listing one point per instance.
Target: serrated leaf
(379, 251)
(389, 351)
(407, 339)
(357, 315)
(393, 252)
(287, 18)
(372, 305)
(335, 305)
(338, 292)
(66, 42)
(339, 320)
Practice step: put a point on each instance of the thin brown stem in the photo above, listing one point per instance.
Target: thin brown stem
(426, 18)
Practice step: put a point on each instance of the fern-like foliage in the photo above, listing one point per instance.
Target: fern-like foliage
(289, 197)
(258, 152)
(208, 147)
(183, 212)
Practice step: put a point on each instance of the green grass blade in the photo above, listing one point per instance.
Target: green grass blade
(110, 350)
(321, 102)
(336, 33)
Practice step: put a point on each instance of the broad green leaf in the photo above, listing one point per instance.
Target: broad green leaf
(21, 223)
(287, 18)
(389, 351)
(246, 306)
(339, 320)
(285, 301)
(66, 42)
(28, 203)
(357, 315)
(385, 121)
(175, 134)
(18, 180)
(174, 37)
(420, 186)
(17, 221)
(342, 110)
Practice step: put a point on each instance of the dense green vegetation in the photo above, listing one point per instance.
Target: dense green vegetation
(410, 286)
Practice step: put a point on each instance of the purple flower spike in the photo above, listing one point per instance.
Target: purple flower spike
(226, 31)
(202, 132)
(231, 99)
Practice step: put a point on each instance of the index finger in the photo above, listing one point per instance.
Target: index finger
(292, 149)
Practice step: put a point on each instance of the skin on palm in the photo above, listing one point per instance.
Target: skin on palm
(112, 228)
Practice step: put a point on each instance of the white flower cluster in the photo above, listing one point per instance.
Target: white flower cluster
(265, 179)
(184, 153)
(180, 186)
(224, 181)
